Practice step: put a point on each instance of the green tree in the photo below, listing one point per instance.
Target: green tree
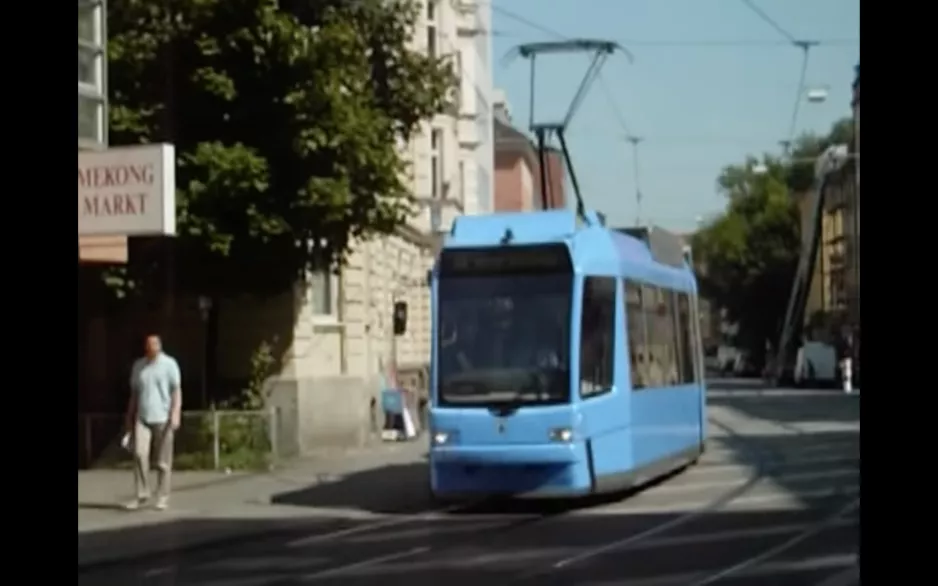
(287, 118)
(808, 146)
(749, 254)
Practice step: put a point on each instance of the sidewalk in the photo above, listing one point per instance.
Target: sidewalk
(209, 507)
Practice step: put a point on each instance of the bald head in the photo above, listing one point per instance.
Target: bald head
(153, 346)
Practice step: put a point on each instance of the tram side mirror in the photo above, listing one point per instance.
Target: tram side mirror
(400, 318)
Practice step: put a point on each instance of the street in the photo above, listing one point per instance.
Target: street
(774, 501)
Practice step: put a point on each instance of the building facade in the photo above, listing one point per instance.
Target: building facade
(476, 140)
(855, 257)
(350, 349)
(332, 333)
(517, 167)
(446, 181)
(92, 115)
(835, 286)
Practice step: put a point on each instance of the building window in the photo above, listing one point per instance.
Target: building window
(483, 116)
(90, 118)
(483, 188)
(436, 163)
(92, 101)
(322, 292)
(88, 22)
(431, 29)
(462, 182)
(597, 336)
(458, 71)
(88, 66)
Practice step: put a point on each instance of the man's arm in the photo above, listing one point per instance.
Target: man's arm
(131, 415)
(175, 402)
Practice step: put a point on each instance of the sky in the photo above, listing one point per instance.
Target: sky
(710, 83)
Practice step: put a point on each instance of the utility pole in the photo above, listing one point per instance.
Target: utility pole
(636, 140)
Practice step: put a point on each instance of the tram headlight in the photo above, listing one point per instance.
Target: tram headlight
(561, 434)
(442, 438)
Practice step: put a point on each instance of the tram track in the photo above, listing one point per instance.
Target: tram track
(626, 542)
(356, 558)
(772, 552)
(509, 529)
(768, 459)
(764, 459)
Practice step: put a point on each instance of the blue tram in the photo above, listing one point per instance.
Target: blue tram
(566, 359)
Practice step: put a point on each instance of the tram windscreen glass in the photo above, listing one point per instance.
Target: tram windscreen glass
(504, 338)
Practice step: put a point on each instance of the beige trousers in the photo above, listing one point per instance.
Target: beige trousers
(152, 439)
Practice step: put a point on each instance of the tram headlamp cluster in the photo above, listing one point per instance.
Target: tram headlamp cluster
(561, 434)
(442, 438)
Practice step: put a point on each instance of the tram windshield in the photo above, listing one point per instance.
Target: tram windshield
(504, 339)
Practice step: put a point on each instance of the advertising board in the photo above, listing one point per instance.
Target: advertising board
(127, 191)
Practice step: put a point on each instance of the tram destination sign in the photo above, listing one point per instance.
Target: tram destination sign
(502, 260)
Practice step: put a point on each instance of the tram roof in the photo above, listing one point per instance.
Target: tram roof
(587, 236)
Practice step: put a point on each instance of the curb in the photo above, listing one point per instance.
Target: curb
(221, 541)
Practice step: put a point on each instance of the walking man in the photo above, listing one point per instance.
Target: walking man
(153, 415)
(845, 359)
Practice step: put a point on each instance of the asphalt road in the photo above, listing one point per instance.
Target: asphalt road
(774, 502)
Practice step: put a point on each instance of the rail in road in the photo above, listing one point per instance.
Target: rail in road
(769, 504)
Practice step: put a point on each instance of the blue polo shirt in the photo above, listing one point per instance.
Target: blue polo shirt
(153, 381)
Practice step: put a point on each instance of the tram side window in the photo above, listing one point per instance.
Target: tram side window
(635, 322)
(660, 350)
(597, 336)
(667, 330)
(685, 338)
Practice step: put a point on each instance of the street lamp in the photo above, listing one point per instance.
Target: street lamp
(205, 309)
(817, 95)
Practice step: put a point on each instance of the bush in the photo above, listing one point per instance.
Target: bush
(243, 442)
(244, 438)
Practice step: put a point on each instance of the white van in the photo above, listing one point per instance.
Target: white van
(816, 364)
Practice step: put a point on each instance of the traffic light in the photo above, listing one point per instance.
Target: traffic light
(400, 318)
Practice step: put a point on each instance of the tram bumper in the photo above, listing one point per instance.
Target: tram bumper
(518, 471)
(511, 455)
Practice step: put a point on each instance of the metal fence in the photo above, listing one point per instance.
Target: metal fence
(205, 440)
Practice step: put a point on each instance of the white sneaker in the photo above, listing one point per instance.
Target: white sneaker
(135, 504)
(162, 503)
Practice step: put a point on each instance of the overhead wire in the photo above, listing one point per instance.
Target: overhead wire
(770, 21)
(789, 40)
(603, 86)
(607, 93)
(701, 43)
(805, 47)
(799, 96)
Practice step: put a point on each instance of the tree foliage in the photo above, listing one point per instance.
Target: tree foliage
(748, 255)
(287, 118)
(808, 146)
